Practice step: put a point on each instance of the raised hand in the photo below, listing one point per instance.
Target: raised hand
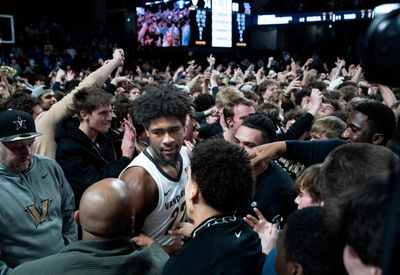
(309, 61)
(260, 71)
(70, 75)
(293, 65)
(294, 84)
(228, 70)
(315, 102)
(259, 223)
(211, 60)
(180, 69)
(138, 70)
(129, 139)
(270, 60)
(340, 63)
(119, 56)
(60, 74)
(267, 232)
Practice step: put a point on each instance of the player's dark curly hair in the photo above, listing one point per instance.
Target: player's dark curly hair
(223, 173)
(164, 101)
(381, 118)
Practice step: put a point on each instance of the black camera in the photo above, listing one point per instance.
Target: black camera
(380, 47)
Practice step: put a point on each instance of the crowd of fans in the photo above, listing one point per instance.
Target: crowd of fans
(213, 158)
(167, 28)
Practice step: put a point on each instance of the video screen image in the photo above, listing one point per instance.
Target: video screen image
(163, 24)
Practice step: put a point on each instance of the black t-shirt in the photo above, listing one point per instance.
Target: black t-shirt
(274, 194)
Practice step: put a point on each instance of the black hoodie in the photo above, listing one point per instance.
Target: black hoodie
(83, 161)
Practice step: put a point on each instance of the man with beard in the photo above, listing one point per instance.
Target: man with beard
(157, 177)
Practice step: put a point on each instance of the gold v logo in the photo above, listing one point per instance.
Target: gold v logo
(39, 215)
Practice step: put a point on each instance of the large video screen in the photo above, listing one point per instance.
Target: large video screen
(163, 23)
(194, 23)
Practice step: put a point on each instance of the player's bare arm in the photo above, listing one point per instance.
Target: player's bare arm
(144, 194)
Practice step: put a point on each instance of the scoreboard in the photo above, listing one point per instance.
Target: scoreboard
(221, 23)
(314, 17)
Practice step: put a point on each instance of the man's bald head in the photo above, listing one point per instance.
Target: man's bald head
(105, 209)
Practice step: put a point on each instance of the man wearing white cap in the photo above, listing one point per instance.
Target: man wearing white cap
(45, 96)
(37, 203)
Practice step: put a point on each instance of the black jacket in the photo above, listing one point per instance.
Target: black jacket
(219, 245)
(83, 161)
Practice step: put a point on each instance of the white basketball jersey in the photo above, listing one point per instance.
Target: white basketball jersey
(171, 207)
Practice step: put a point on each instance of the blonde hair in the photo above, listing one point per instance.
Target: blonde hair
(276, 97)
(266, 106)
(331, 126)
(264, 84)
(227, 95)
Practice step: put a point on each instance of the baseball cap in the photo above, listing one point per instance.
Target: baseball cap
(16, 125)
(334, 83)
(38, 91)
(183, 88)
(272, 74)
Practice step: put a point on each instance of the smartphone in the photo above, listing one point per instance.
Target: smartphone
(278, 221)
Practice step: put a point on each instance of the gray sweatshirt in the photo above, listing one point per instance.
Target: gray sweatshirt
(36, 213)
